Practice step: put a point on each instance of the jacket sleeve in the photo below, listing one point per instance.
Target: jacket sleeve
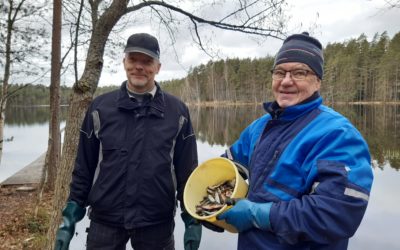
(86, 161)
(241, 150)
(185, 154)
(340, 180)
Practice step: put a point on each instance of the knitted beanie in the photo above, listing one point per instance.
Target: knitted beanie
(302, 48)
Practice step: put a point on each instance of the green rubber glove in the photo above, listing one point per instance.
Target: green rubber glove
(72, 213)
(192, 236)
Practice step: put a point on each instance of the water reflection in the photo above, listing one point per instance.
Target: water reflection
(21, 116)
(218, 127)
(379, 124)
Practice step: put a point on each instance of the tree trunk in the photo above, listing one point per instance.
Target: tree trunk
(78, 104)
(1, 134)
(80, 99)
(53, 152)
(6, 77)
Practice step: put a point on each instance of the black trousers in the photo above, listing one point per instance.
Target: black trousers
(103, 237)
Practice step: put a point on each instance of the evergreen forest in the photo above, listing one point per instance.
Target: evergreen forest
(356, 71)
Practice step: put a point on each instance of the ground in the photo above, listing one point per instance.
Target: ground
(19, 228)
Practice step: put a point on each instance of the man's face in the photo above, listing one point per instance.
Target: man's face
(289, 91)
(141, 70)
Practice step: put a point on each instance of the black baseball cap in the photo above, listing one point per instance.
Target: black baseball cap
(143, 43)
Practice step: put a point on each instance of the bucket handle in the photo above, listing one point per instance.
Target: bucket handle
(230, 202)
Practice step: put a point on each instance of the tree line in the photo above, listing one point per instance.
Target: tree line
(356, 70)
(38, 95)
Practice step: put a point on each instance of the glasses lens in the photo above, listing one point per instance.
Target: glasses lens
(278, 74)
(299, 74)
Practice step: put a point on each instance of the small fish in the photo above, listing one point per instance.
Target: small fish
(211, 198)
(216, 198)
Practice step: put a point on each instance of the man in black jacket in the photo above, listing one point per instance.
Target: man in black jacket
(137, 149)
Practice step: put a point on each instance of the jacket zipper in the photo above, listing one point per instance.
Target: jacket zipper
(266, 170)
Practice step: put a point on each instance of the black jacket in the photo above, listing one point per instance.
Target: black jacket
(133, 159)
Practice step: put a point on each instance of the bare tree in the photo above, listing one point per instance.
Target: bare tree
(49, 171)
(254, 17)
(19, 44)
(53, 152)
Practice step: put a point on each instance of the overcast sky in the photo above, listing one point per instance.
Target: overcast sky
(329, 21)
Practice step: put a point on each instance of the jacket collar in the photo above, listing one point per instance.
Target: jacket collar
(156, 105)
(295, 111)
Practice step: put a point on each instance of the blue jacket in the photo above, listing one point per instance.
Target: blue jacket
(314, 165)
(133, 159)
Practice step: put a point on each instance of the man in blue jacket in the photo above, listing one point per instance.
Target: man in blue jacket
(136, 150)
(310, 171)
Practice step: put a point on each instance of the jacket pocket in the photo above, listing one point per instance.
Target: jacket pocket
(108, 178)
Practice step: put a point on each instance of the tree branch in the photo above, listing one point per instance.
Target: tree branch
(249, 29)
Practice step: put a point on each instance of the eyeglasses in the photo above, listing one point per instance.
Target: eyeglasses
(295, 74)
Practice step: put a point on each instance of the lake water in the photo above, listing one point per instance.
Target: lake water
(217, 127)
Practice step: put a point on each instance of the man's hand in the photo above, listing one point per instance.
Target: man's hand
(64, 235)
(72, 213)
(192, 236)
(246, 215)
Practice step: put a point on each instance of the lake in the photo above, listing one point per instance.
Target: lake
(218, 127)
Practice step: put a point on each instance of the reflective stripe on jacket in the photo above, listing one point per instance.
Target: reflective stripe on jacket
(315, 167)
(133, 159)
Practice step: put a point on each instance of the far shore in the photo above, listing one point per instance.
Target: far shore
(231, 103)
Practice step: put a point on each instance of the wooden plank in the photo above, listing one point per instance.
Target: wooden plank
(28, 175)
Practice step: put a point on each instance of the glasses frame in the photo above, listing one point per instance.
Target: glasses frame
(307, 72)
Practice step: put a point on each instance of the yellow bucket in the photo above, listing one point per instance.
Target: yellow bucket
(212, 172)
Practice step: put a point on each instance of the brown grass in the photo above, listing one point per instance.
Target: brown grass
(19, 228)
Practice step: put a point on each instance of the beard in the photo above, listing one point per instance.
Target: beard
(139, 84)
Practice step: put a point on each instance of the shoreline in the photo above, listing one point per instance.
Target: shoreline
(240, 103)
(229, 103)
